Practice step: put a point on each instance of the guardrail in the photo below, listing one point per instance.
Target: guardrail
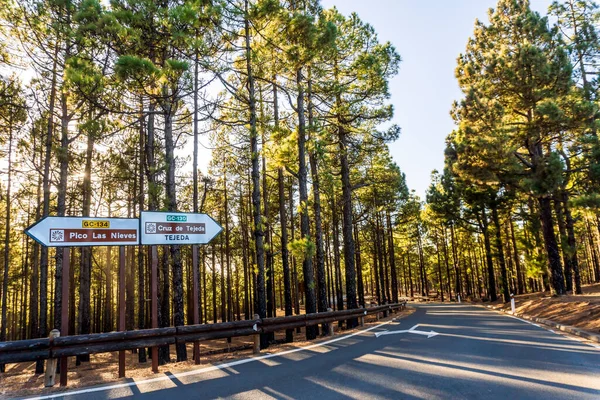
(77, 345)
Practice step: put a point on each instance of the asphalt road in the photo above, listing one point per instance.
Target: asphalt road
(477, 354)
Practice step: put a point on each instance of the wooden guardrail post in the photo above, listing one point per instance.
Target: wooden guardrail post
(50, 377)
(256, 344)
(330, 325)
(362, 319)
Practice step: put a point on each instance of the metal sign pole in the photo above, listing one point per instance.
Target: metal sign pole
(64, 314)
(121, 307)
(154, 300)
(196, 295)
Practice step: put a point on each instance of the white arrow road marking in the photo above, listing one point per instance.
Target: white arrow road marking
(413, 330)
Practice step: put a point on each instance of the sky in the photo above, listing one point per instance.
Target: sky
(429, 35)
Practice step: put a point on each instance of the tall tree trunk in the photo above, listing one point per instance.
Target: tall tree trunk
(245, 261)
(347, 225)
(551, 245)
(336, 256)
(384, 253)
(307, 263)
(425, 288)
(480, 274)
(457, 288)
(222, 264)
(359, 275)
(171, 205)
(261, 302)
(537, 239)
(410, 280)
(269, 267)
(6, 238)
(329, 268)
(393, 271)
(572, 245)
(61, 205)
(295, 284)
(446, 261)
(488, 256)
(43, 327)
(322, 302)
(520, 280)
(439, 260)
(285, 258)
(140, 253)
(564, 246)
(593, 252)
(86, 252)
(500, 253)
(380, 260)
(195, 267)
(35, 278)
(227, 253)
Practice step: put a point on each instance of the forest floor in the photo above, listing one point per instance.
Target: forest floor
(20, 379)
(581, 311)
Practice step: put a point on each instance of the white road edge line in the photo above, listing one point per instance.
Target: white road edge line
(524, 320)
(550, 330)
(205, 369)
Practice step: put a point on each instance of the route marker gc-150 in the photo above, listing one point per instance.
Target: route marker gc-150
(177, 228)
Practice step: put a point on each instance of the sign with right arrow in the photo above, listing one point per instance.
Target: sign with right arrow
(177, 228)
(412, 330)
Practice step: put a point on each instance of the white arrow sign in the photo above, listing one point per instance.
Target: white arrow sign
(177, 228)
(413, 330)
(85, 231)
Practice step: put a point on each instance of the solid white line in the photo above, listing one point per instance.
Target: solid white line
(524, 320)
(561, 334)
(206, 369)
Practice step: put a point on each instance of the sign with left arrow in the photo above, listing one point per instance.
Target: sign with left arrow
(85, 231)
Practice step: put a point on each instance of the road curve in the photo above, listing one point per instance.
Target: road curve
(473, 353)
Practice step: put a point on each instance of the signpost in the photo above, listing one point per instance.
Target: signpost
(153, 228)
(85, 231)
(177, 228)
(70, 232)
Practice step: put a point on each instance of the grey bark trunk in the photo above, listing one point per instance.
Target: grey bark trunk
(261, 308)
(500, 253)
(307, 263)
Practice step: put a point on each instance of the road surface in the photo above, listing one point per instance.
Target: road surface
(472, 353)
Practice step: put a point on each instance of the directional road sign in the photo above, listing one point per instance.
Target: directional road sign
(85, 231)
(177, 228)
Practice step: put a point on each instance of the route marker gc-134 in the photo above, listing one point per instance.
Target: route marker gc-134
(85, 231)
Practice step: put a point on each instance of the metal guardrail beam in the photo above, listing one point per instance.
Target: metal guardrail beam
(66, 346)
